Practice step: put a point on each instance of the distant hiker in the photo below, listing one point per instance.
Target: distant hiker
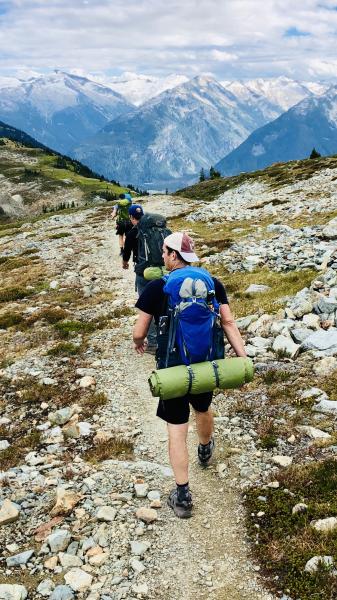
(145, 243)
(121, 213)
(199, 296)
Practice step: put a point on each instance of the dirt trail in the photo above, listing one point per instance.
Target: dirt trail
(206, 556)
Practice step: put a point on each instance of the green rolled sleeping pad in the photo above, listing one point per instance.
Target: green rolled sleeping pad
(175, 382)
(154, 273)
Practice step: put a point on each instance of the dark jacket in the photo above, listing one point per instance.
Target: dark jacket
(131, 245)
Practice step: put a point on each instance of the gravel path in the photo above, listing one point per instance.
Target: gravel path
(207, 556)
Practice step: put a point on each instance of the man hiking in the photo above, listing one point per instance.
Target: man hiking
(145, 242)
(121, 214)
(156, 301)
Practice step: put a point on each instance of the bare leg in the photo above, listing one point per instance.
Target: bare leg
(178, 451)
(121, 241)
(205, 425)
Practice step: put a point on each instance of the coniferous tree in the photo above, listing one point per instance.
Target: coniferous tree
(213, 174)
(314, 153)
(202, 175)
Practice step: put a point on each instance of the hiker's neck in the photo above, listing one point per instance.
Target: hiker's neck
(180, 265)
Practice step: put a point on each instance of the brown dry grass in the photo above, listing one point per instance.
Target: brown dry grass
(116, 447)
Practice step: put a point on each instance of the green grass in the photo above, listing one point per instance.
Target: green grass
(9, 294)
(9, 319)
(87, 184)
(13, 455)
(66, 329)
(281, 285)
(51, 315)
(275, 176)
(64, 349)
(286, 541)
(12, 263)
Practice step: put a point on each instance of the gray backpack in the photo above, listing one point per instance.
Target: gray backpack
(152, 231)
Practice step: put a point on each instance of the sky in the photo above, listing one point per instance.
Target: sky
(228, 39)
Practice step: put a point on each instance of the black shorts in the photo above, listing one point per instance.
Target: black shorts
(123, 227)
(177, 410)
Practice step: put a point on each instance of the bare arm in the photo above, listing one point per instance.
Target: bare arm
(140, 331)
(114, 212)
(231, 330)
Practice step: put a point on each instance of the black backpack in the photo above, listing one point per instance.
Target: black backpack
(152, 231)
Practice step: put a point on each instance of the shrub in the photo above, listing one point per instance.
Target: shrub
(9, 319)
(14, 293)
(67, 328)
(116, 447)
(64, 349)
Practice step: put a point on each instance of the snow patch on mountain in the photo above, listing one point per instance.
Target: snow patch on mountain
(137, 89)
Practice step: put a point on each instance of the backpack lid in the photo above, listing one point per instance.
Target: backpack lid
(151, 220)
(180, 281)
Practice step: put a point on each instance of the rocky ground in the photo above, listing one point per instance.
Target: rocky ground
(85, 472)
(70, 523)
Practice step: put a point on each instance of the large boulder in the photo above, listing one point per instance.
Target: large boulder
(330, 230)
(13, 592)
(322, 340)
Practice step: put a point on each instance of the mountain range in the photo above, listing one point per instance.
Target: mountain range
(152, 132)
(60, 110)
(293, 135)
(171, 136)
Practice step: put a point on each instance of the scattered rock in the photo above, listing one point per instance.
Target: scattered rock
(148, 515)
(78, 580)
(325, 525)
(19, 559)
(106, 513)
(66, 500)
(12, 592)
(314, 562)
(282, 461)
(87, 381)
(59, 540)
(299, 508)
(9, 512)
(62, 592)
(325, 367)
(313, 433)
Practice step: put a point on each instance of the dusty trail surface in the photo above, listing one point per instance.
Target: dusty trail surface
(206, 557)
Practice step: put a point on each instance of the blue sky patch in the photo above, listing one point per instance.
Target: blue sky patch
(294, 32)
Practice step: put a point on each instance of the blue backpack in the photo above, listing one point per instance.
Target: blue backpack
(194, 326)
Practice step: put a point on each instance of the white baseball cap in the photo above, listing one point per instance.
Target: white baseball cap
(182, 243)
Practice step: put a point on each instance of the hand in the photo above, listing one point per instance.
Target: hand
(140, 346)
(125, 264)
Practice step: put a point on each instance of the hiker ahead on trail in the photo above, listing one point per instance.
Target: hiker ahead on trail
(121, 213)
(145, 243)
(191, 312)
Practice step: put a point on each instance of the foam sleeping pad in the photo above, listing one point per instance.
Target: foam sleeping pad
(151, 273)
(225, 373)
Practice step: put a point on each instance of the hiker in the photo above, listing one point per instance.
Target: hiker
(156, 301)
(121, 213)
(145, 242)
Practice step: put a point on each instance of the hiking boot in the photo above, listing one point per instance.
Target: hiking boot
(182, 509)
(205, 453)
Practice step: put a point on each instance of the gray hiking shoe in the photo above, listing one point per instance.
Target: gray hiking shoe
(183, 509)
(205, 453)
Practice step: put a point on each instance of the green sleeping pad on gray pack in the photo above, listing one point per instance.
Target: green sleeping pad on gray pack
(154, 273)
(225, 373)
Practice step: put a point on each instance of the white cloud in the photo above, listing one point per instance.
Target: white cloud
(222, 56)
(232, 38)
